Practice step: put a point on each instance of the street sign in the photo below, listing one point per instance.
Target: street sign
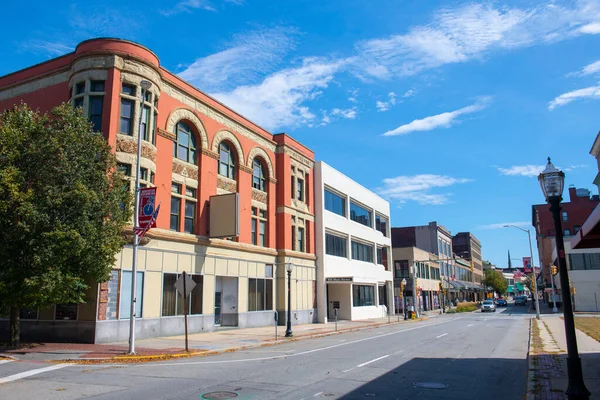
(189, 285)
(527, 265)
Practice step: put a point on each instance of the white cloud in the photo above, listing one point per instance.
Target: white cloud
(473, 30)
(279, 100)
(328, 117)
(353, 96)
(592, 92)
(574, 167)
(416, 188)
(522, 170)
(443, 120)
(249, 56)
(589, 69)
(502, 225)
(409, 93)
(386, 105)
(50, 49)
(188, 6)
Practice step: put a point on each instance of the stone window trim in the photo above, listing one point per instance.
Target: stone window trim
(183, 114)
(233, 141)
(257, 218)
(185, 198)
(299, 225)
(299, 173)
(150, 102)
(266, 161)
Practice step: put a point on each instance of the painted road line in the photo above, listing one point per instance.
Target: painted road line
(348, 370)
(158, 364)
(372, 361)
(32, 372)
(470, 325)
(5, 361)
(442, 335)
(317, 394)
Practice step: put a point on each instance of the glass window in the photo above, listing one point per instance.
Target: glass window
(260, 294)
(125, 169)
(128, 89)
(184, 146)
(190, 192)
(382, 295)
(382, 257)
(190, 212)
(258, 175)
(293, 178)
(259, 227)
(360, 214)
(145, 126)
(172, 301)
(300, 189)
(335, 245)
(175, 210)
(401, 269)
(80, 87)
(300, 246)
(565, 216)
(97, 86)
(567, 232)
(78, 102)
(176, 188)
(362, 252)
(381, 224)
(363, 295)
(576, 229)
(226, 161)
(125, 302)
(95, 112)
(66, 312)
(253, 227)
(334, 203)
(126, 126)
(262, 233)
(148, 96)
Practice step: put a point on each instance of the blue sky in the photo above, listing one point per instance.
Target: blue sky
(446, 108)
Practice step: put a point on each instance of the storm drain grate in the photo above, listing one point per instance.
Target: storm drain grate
(219, 395)
(430, 385)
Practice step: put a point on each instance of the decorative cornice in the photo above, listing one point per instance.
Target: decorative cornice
(171, 90)
(273, 180)
(245, 169)
(166, 134)
(296, 254)
(295, 155)
(210, 153)
(295, 212)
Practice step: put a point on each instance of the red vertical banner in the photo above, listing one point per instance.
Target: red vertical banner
(527, 265)
(147, 207)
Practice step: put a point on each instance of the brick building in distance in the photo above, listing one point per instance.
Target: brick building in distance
(194, 147)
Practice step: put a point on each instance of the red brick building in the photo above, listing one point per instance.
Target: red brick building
(193, 148)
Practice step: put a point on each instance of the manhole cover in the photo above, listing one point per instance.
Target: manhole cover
(219, 395)
(431, 385)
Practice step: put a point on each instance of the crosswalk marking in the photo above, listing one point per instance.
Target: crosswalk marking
(31, 373)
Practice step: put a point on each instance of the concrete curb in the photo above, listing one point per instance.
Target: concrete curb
(155, 357)
(530, 395)
(3, 355)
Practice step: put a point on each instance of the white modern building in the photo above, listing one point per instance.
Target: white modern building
(353, 247)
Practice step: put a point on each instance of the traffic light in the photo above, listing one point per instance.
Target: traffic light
(554, 269)
(440, 285)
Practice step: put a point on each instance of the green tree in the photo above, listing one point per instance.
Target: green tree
(495, 280)
(63, 208)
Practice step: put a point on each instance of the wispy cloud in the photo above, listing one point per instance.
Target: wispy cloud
(589, 69)
(279, 100)
(502, 225)
(409, 93)
(336, 113)
(443, 120)
(592, 92)
(522, 170)
(472, 31)
(105, 21)
(48, 48)
(353, 96)
(386, 105)
(249, 56)
(188, 6)
(417, 188)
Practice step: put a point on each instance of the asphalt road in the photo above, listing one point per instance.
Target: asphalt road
(468, 356)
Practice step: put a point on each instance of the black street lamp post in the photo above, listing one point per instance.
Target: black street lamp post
(404, 298)
(552, 183)
(288, 331)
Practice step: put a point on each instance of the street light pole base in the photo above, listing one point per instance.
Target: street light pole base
(576, 389)
(288, 334)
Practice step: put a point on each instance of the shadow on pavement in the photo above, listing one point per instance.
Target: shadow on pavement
(479, 378)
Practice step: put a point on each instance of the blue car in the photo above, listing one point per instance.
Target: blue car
(501, 303)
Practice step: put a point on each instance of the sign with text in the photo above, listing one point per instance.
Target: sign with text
(344, 279)
(147, 207)
(527, 265)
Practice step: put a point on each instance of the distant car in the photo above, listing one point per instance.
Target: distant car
(488, 305)
(501, 303)
(520, 301)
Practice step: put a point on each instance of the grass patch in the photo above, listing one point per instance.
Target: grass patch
(589, 325)
(536, 340)
(466, 307)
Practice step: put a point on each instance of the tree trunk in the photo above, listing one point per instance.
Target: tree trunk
(15, 327)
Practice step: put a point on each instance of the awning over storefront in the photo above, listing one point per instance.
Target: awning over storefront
(519, 286)
(588, 237)
(510, 289)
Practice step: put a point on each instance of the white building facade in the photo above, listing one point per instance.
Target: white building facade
(353, 247)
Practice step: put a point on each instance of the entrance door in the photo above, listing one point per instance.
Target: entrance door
(218, 308)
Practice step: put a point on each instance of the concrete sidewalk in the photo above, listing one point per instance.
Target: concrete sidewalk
(219, 341)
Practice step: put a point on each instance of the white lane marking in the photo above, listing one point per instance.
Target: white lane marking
(5, 361)
(470, 325)
(317, 394)
(398, 352)
(485, 320)
(297, 354)
(372, 361)
(31, 373)
(442, 335)
(348, 370)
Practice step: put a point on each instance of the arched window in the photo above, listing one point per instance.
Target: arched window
(184, 146)
(258, 175)
(226, 161)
